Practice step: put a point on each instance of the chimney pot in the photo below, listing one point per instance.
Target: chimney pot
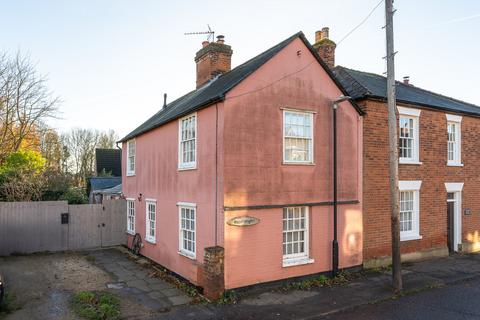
(325, 32)
(406, 80)
(318, 36)
(220, 39)
(205, 43)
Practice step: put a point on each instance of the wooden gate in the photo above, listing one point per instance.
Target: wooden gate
(27, 227)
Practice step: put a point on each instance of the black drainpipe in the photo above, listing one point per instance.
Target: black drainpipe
(335, 236)
(335, 202)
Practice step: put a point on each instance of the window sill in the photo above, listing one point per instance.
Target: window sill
(298, 163)
(187, 255)
(130, 174)
(132, 233)
(187, 168)
(400, 161)
(296, 262)
(451, 164)
(152, 241)
(411, 237)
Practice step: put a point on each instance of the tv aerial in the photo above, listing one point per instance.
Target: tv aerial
(210, 33)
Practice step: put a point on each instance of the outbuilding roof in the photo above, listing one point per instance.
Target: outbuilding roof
(215, 90)
(362, 85)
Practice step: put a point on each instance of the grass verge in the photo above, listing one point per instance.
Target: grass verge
(8, 305)
(96, 305)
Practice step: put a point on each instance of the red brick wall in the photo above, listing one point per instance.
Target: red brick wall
(433, 172)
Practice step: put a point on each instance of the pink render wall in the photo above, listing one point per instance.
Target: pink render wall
(157, 177)
(254, 173)
(249, 171)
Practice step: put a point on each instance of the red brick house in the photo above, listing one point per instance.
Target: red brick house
(439, 152)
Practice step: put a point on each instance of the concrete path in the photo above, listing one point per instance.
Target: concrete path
(324, 302)
(133, 279)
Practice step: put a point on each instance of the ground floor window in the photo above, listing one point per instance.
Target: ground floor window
(295, 235)
(409, 210)
(151, 214)
(131, 216)
(187, 240)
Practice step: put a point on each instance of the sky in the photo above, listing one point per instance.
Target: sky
(111, 61)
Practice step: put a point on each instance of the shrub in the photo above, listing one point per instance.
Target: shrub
(75, 196)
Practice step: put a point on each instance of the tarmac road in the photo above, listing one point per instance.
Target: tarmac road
(459, 301)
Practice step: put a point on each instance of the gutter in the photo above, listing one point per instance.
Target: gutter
(418, 104)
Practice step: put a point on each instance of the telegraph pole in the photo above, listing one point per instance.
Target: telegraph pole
(393, 150)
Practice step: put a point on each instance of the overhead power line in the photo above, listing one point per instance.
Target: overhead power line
(361, 23)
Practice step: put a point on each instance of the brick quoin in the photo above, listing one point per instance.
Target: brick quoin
(433, 172)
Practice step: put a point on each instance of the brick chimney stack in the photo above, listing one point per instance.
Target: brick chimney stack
(213, 59)
(325, 47)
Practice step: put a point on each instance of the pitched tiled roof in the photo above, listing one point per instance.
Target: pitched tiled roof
(361, 85)
(215, 90)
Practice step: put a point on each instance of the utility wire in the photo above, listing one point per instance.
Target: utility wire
(274, 82)
(361, 23)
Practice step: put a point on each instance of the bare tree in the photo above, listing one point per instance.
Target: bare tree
(25, 102)
(108, 140)
(80, 145)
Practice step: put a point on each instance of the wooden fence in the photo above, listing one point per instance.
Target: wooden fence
(28, 227)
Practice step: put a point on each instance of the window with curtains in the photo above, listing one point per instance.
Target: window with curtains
(409, 210)
(187, 156)
(297, 137)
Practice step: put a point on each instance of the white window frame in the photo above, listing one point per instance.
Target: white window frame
(181, 250)
(413, 114)
(296, 259)
(192, 164)
(130, 230)
(413, 186)
(148, 237)
(311, 147)
(128, 171)
(456, 188)
(457, 152)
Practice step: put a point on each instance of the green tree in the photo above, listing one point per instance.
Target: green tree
(21, 176)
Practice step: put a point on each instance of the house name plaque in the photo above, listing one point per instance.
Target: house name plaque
(243, 221)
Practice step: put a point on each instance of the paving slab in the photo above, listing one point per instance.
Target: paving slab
(153, 292)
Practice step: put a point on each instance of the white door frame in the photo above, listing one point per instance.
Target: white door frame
(456, 189)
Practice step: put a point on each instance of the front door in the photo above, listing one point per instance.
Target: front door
(451, 222)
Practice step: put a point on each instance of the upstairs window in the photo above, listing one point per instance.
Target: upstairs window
(150, 220)
(297, 137)
(409, 135)
(187, 150)
(131, 158)
(131, 216)
(454, 147)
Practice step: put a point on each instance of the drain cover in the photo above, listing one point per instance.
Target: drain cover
(116, 285)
